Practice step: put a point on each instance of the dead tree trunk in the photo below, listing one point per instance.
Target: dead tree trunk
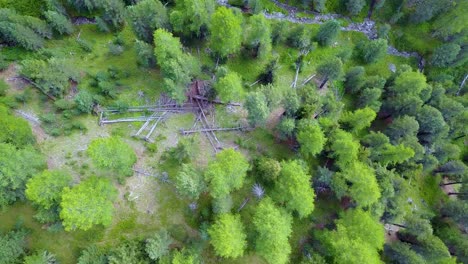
(323, 82)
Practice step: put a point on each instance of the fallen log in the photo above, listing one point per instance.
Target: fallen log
(213, 101)
(128, 120)
(186, 132)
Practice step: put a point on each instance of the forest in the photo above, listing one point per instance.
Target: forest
(233, 131)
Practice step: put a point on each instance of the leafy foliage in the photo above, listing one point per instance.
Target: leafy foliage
(15, 131)
(158, 245)
(226, 32)
(87, 204)
(311, 138)
(328, 32)
(190, 181)
(51, 76)
(59, 22)
(228, 236)
(13, 246)
(192, 17)
(273, 227)
(18, 165)
(293, 189)
(176, 66)
(256, 104)
(226, 173)
(229, 87)
(146, 16)
(114, 154)
(45, 189)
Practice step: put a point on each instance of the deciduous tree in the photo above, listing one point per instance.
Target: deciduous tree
(293, 189)
(87, 204)
(114, 154)
(190, 182)
(257, 107)
(226, 172)
(45, 188)
(176, 66)
(372, 50)
(258, 36)
(228, 236)
(273, 228)
(311, 138)
(229, 87)
(192, 16)
(226, 32)
(146, 16)
(358, 120)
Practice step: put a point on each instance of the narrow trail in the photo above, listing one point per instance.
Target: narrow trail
(368, 27)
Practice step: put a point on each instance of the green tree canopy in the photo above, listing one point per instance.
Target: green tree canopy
(176, 66)
(444, 55)
(190, 181)
(273, 228)
(357, 180)
(229, 87)
(330, 70)
(13, 246)
(114, 154)
(51, 76)
(358, 120)
(311, 138)
(328, 32)
(372, 50)
(14, 130)
(45, 188)
(87, 204)
(158, 245)
(226, 32)
(257, 106)
(432, 125)
(356, 231)
(293, 188)
(59, 22)
(345, 148)
(228, 236)
(17, 166)
(192, 16)
(146, 16)
(402, 127)
(226, 172)
(354, 7)
(40, 257)
(258, 35)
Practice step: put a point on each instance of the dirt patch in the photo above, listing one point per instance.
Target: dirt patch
(274, 118)
(391, 233)
(448, 188)
(10, 75)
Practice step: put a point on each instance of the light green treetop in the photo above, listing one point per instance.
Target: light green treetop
(293, 188)
(87, 204)
(228, 236)
(45, 188)
(226, 173)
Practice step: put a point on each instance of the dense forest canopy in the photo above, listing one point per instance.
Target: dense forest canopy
(233, 131)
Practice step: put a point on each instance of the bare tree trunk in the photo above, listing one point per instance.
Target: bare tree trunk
(462, 84)
(451, 183)
(457, 193)
(323, 83)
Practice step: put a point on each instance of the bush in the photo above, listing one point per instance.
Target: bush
(115, 49)
(84, 45)
(444, 55)
(59, 22)
(84, 101)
